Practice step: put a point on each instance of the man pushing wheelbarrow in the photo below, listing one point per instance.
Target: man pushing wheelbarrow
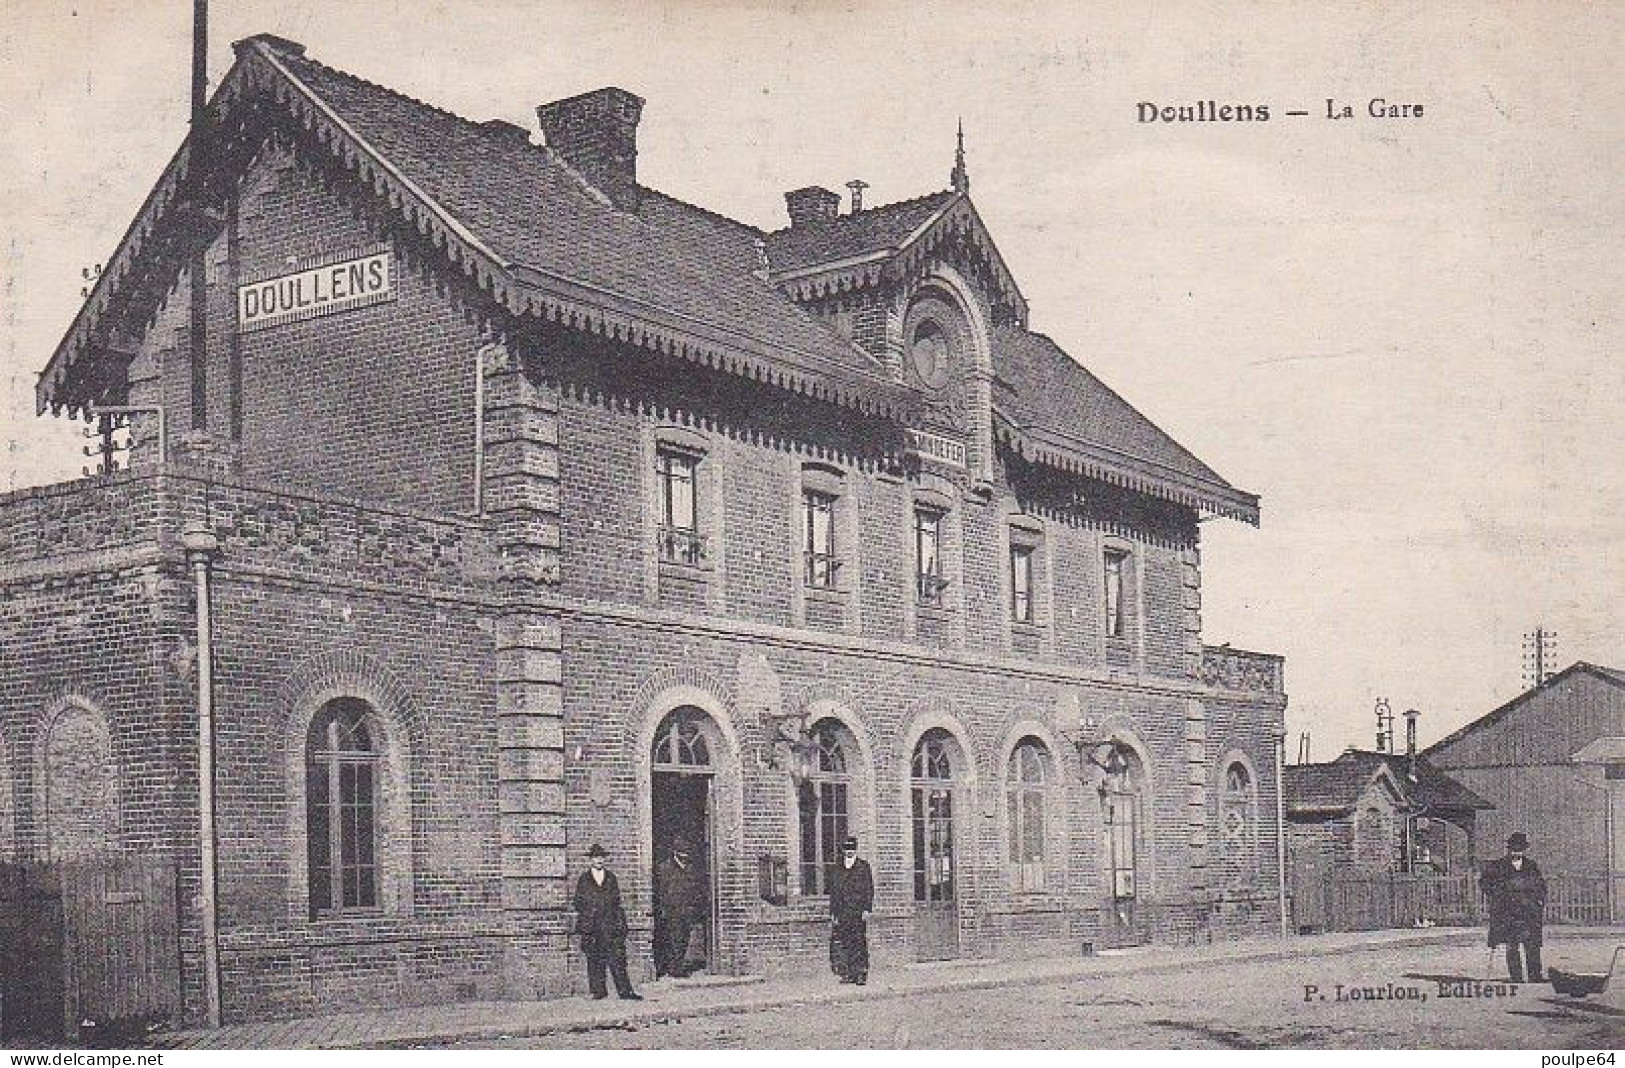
(1517, 903)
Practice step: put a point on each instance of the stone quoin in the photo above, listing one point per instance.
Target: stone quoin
(575, 513)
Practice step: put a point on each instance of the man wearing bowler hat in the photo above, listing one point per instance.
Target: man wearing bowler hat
(601, 922)
(851, 898)
(1517, 898)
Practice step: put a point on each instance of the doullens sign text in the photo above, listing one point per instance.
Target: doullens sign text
(321, 287)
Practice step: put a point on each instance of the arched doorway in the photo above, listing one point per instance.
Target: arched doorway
(683, 836)
(936, 872)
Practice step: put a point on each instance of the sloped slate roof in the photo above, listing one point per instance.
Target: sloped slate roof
(660, 273)
(1331, 788)
(876, 229)
(1050, 397)
(532, 210)
(1336, 787)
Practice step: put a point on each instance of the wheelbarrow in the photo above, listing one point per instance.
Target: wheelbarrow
(1584, 984)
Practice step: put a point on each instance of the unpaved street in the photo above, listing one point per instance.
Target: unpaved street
(1389, 998)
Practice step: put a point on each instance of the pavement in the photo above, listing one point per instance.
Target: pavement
(667, 1000)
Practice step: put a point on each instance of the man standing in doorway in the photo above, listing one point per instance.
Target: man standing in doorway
(851, 899)
(601, 923)
(1517, 898)
(680, 895)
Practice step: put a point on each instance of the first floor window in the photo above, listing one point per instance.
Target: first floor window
(818, 532)
(928, 556)
(1021, 583)
(680, 539)
(342, 765)
(1116, 564)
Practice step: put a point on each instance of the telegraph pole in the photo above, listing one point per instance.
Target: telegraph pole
(1539, 657)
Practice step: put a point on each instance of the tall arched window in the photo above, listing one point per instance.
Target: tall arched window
(933, 817)
(825, 803)
(1028, 782)
(1122, 801)
(1238, 820)
(343, 766)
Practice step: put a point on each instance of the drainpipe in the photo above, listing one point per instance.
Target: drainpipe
(201, 548)
(1280, 827)
(479, 429)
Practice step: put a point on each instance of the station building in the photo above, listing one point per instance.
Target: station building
(492, 504)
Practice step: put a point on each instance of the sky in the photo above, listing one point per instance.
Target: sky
(1404, 334)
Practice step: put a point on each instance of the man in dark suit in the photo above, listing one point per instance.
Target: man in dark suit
(851, 899)
(680, 900)
(1517, 899)
(601, 922)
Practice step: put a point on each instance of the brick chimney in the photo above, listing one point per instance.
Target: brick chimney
(597, 134)
(812, 204)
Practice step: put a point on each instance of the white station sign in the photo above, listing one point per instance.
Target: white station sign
(323, 288)
(937, 447)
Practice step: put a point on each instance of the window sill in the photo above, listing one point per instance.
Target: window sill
(826, 593)
(1021, 626)
(931, 609)
(682, 569)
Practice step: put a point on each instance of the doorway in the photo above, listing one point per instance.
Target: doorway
(682, 812)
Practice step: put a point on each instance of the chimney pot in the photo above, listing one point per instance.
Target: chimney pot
(597, 134)
(857, 185)
(812, 203)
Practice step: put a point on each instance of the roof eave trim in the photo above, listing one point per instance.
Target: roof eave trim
(555, 298)
(1068, 453)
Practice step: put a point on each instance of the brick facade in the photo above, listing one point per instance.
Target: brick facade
(450, 513)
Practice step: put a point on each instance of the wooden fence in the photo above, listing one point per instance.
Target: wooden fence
(1359, 902)
(93, 939)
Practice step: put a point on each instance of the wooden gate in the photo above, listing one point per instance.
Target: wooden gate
(94, 939)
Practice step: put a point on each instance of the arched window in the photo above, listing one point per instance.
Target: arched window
(825, 804)
(343, 766)
(680, 742)
(1028, 781)
(1238, 821)
(933, 817)
(1122, 802)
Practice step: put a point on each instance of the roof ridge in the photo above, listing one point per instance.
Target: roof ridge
(476, 126)
(878, 208)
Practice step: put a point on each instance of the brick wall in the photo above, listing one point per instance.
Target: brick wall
(374, 402)
(313, 597)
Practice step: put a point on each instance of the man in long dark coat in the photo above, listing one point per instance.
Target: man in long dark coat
(851, 899)
(1517, 899)
(601, 922)
(680, 899)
